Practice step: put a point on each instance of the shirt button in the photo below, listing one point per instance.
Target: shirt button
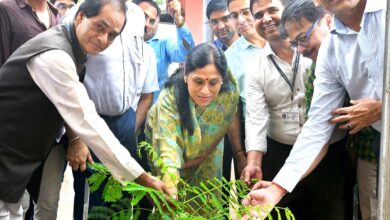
(300, 124)
(298, 89)
(299, 106)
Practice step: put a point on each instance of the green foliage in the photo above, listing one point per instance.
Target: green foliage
(210, 200)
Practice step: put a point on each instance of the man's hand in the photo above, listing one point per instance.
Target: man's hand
(263, 200)
(78, 155)
(253, 167)
(362, 113)
(250, 172)
(174, 8)
(150, 181)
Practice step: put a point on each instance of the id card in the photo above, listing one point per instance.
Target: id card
(290, 115)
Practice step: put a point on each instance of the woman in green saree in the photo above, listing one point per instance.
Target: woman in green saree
(193, 113)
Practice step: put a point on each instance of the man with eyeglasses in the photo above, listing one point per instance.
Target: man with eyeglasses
(306, 32)
(350, 61)
(63, 5)
(241, 55)
(167, 50)
(223, 28)
(275, 115)
(221, 24)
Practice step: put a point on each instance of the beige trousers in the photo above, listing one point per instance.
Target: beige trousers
(366, 174)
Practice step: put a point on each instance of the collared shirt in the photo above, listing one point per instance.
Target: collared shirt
(18, 24)
(338, 133)
(147, 80)
(115, 76)
(348, 62)
(269, 106)
(220, 45)
(168, 50)
(240, 57)
(54, 72)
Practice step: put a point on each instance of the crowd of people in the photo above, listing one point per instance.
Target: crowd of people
(290, 90)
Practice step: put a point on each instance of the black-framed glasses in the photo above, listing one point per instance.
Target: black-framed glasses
(245, 12)
(305, 40)
(224, 19)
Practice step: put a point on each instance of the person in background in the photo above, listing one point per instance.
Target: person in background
(223, 28)
(303, 15)
(241, 56)
(358, 29)
(63, 5)
(42, 79)
(221, 24)
(187, 124)
(166, 49)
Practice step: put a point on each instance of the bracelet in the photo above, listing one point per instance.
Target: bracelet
(73, 139)
(283, 190)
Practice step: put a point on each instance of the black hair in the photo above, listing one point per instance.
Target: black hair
(165, 17)
(151, 2)
(198, 57)
(228, 2)
(298, 10)
(285, 3)
(216, 5)
(92, 8)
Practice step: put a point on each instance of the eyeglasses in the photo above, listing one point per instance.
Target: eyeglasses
(64, 6)
(224, 19)
(305, 40)
(245, 12)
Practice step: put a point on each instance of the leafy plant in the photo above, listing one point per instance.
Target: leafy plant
(212, 199)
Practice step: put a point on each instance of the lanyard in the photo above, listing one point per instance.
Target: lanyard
(295, 71)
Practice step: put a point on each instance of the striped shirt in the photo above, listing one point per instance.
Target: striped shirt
(349, 62)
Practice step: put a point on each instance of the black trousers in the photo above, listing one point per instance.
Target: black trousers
(325, 194)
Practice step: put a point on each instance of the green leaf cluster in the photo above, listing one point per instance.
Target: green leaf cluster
(212, 199)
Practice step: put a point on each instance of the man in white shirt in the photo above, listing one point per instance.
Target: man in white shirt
(355, 48)
(221, 24)
(41, 89)
(275, 115)
(119, 80)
